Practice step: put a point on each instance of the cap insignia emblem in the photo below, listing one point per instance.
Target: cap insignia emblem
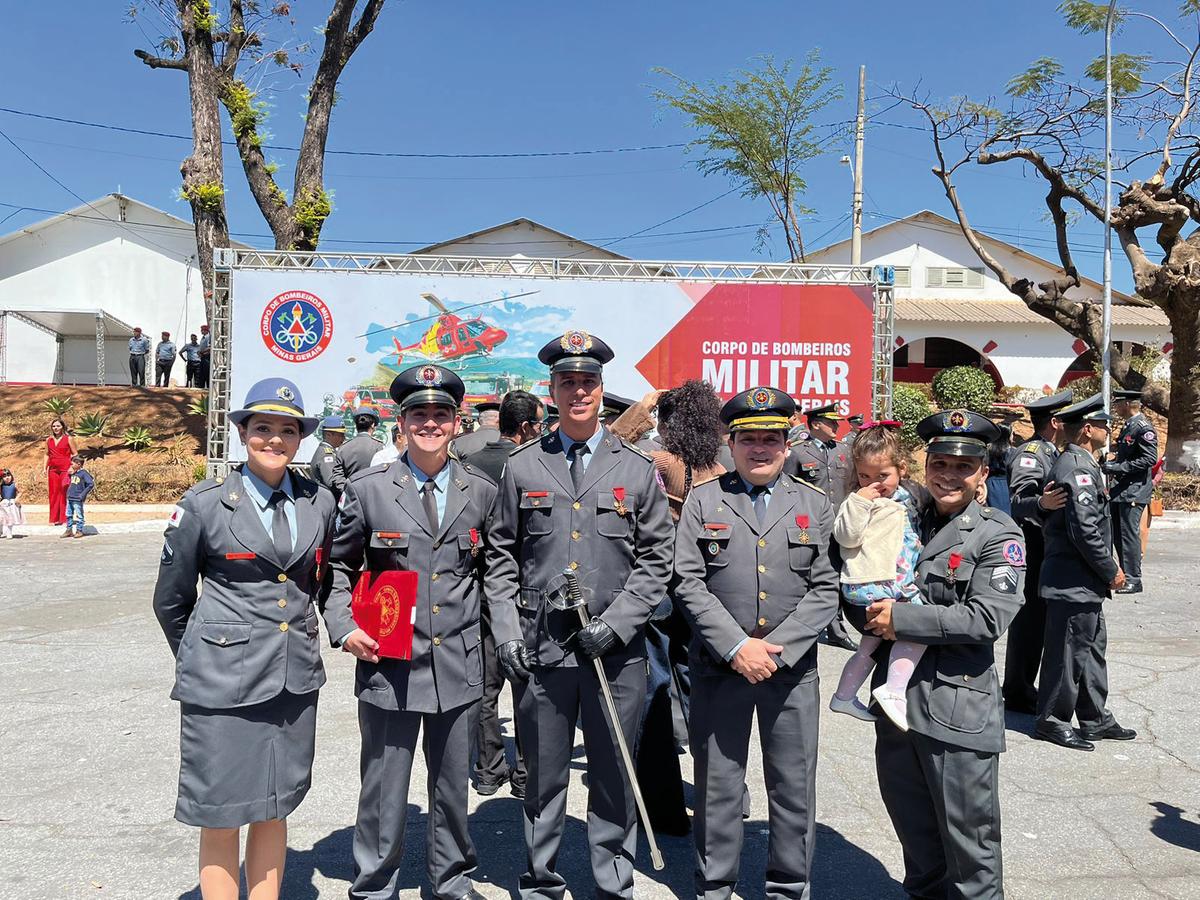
(576, 342)
(956, 421)
(430, 376)
(285, 393)
(762, 398)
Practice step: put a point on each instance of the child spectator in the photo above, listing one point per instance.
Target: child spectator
(877, 533)
(10, 506)
(80, 486)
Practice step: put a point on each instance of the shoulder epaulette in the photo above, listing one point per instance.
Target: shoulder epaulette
(478, 473)
(807, 484)
(524, 446)
(638, 450)
(370, 470)
(206, 485)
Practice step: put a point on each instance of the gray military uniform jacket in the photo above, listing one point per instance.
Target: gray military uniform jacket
(971, 574)
(1028, 474)
(1079, 564)
(819, 464)
(321, 467)
(738, 579)
(352, 457)
(620, 548)
(252, 631)
(474, 442)
(1137, 452)
(383, 524)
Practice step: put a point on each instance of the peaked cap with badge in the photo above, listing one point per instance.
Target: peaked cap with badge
(958, 432)
(759, 409)
(828, 411)
(1046, 405)
(576, 351)
(427, 383)
(1122, 394)
(275, 397)
(1089, 410)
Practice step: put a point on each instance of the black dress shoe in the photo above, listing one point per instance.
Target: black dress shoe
(1113, 732)
(843, 641)
(1064, 737)
(487, 788)
(472, 894)
(518, 790)
(1026, 707)
(1131, 589)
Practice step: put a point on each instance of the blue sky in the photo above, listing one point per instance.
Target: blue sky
(477, 76)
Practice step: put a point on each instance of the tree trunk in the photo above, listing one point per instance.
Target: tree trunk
(1183, 435)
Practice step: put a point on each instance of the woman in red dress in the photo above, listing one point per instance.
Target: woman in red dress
(59, 450)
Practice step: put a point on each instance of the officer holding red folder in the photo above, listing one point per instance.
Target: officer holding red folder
(426, 513)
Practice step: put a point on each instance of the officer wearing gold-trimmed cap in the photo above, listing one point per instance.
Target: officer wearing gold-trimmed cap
(1078, 575)
(583, 500)
(940, 779)
(756, 583)
(427, 513)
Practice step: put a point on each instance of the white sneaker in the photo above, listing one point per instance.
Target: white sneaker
(895, 706)
(851, 707)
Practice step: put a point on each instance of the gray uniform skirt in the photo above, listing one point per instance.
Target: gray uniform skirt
(243, 765)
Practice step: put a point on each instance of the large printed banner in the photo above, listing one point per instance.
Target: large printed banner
(343, 336)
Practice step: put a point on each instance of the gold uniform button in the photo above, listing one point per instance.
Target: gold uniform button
(966, 678)
(437, 642)
(433, 577)
(282, 602)
(762, 621)
(436, 609)
(390, 542)
(283, 626)
(281, 577)
(575, 535)
(761, 542)
(576, 505)
(762, 595)
(762, 568)
(574, 565)
(537, 502)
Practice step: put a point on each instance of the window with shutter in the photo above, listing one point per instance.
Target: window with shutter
(953, 277)
(903, 277)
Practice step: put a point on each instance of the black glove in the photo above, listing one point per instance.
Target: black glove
(596, 638)
(514, 660)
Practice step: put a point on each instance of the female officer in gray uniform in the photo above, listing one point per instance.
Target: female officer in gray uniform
(247, 655)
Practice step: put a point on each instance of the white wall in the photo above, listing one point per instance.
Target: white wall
(523, 239)
(85, 264)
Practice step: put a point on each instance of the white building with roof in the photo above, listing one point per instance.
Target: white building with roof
(951, 310)
(116, 260)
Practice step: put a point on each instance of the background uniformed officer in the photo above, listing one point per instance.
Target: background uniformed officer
(1079, 572)
(487, 429)
(755, 581)
(821, 459)
(425, 513)
(1028, 475)
(1133, 456)
(333, 434)
(579, 498)
(356, 454)
(940, 779)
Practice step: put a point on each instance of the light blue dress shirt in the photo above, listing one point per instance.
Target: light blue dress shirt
(592, 443)
(441, 481)
(139, 346)
(260, 493)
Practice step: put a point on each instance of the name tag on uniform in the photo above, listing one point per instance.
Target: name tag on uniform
(240, 556)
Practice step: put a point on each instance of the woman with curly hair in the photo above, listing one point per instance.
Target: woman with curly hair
(689, 427)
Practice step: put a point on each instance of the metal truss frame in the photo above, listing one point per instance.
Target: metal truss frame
(229, 259)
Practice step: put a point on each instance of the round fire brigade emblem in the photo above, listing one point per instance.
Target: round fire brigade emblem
(576, 342)
(430, 376)
(296, 326)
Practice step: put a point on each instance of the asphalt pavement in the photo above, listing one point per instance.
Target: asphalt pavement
(89, 756)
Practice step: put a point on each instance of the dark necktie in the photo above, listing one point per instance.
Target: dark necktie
(281, 532)
(429, 501)
(758, 494)
(578, 450)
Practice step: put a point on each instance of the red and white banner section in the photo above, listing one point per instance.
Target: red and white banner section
(342, 336)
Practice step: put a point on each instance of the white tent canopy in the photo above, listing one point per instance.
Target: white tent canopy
(76, 325)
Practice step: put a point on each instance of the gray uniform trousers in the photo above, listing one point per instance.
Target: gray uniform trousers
(548, 705)
(389, 746)
(944, 803)
(787, 711)
(1075, 673)
(1127, 522)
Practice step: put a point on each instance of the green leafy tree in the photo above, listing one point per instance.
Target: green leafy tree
(910, 406)
(1052, 125)
(964, 387)
(757, 130)
(229, 52)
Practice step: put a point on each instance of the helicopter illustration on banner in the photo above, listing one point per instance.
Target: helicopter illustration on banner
(450, 337)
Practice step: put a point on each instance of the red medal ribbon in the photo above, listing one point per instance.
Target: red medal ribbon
(619, 497)
(320, 559)
(537, 493)
(474, 532)
(240, 556)
(955, 562)
(802, 521)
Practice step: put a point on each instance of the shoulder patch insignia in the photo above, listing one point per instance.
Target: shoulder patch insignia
(168, 555)
(176, 517)
(1083, 479)
(1004, 579)
(1014, 553)
(1027, 462)
(1150, 436)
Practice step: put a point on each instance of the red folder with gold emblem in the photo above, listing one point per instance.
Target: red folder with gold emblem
(384, 605)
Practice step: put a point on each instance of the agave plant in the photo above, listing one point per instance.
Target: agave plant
(59, 406)
(180, 450)
(199, 406)
(137, 437)
(91, 425)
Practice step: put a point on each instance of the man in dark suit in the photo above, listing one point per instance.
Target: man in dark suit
(940, 779)
(583, 500)
(756, 583)
(1078, 575)
(1129, 465)
(521, 417)
(426, 513)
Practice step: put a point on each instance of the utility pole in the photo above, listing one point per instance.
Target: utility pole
(857, 206)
